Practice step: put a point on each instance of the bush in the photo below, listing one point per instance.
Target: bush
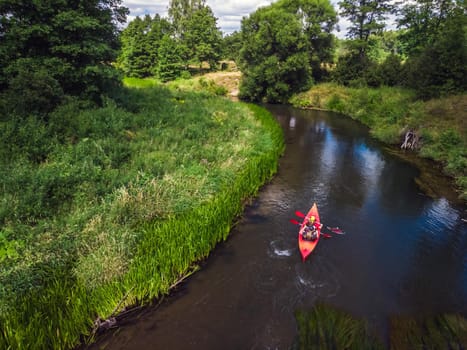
(351, 69)
(211, 87)
(32, 89)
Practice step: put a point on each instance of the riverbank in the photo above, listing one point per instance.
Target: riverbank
(129, 198)
(390, 113)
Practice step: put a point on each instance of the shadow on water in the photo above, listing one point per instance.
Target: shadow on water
(403, 253)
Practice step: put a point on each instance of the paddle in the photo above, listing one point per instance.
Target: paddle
(299, 214)
(295, 222)
(336, 230)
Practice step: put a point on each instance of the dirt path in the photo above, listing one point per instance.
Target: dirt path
(229, 80)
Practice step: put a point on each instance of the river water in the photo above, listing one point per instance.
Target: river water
(402, 253)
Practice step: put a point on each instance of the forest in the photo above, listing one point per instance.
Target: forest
(93, 172)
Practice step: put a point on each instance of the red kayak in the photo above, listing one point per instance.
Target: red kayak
(306, 246)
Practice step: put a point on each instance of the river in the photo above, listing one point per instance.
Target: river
(402, 253)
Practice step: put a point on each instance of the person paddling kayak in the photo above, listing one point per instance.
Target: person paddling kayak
(310, 233)
(306, 246)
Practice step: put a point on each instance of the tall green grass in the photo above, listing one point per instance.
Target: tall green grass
(327, 328)
(446, 331)
(119, 205)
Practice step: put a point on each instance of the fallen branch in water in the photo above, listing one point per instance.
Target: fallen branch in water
(411, 140)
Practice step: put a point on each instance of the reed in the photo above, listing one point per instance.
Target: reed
(326, 327)
(432, 332)
(133, 225)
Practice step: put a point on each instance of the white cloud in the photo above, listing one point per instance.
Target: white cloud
(229, 13)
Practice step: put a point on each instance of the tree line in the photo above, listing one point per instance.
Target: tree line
(55, 51)
(427, 52)
(166, 47)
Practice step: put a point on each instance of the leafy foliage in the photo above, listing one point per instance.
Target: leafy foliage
(231, 45)
(366, 19)
(62, 48)
(318, 19)
(436, 66)
(276, 57)
(180, 11)
(428, 54)
(165, 47)
(202, 37)
(140, 43)
(170, 61)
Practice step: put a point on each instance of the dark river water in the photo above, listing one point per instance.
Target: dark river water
(403, 252)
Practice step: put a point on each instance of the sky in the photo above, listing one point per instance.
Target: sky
(229, 13)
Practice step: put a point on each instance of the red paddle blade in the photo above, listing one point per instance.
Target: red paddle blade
(325, 235)
(299, 214)
(295, 222)
(336, 230)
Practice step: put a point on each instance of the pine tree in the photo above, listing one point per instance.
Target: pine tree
(50, 49)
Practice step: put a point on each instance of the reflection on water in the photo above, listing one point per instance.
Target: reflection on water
(403, 253)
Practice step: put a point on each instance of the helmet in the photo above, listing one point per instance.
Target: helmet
(312, 219)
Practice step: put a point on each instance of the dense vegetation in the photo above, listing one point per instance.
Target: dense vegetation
(427, 54)
(288, 46)
(56, 50)
(284, 47)
(166, 48)
(125, 202)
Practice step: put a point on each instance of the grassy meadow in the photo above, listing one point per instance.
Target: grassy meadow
(104, 209)
(391, 112)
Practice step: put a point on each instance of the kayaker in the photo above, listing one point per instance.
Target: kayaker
(310, 232)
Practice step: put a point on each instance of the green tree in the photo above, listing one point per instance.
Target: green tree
(366, 19)
(75, 42)
(231, 45)
(422, 21)
(285, 46)
(435, 34)
(180, 11)
(159, 28)
(140, 42)
(274, 57)
(201, 37)
(318, 19)
(170, 61)
(134, 59)
(384, 45)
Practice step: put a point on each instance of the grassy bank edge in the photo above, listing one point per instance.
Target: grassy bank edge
(327, 327)
(391, 112)
(62, 316)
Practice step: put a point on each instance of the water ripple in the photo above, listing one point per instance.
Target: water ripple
(281, 249)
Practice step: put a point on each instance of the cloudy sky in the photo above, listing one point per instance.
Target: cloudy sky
(229, 13)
